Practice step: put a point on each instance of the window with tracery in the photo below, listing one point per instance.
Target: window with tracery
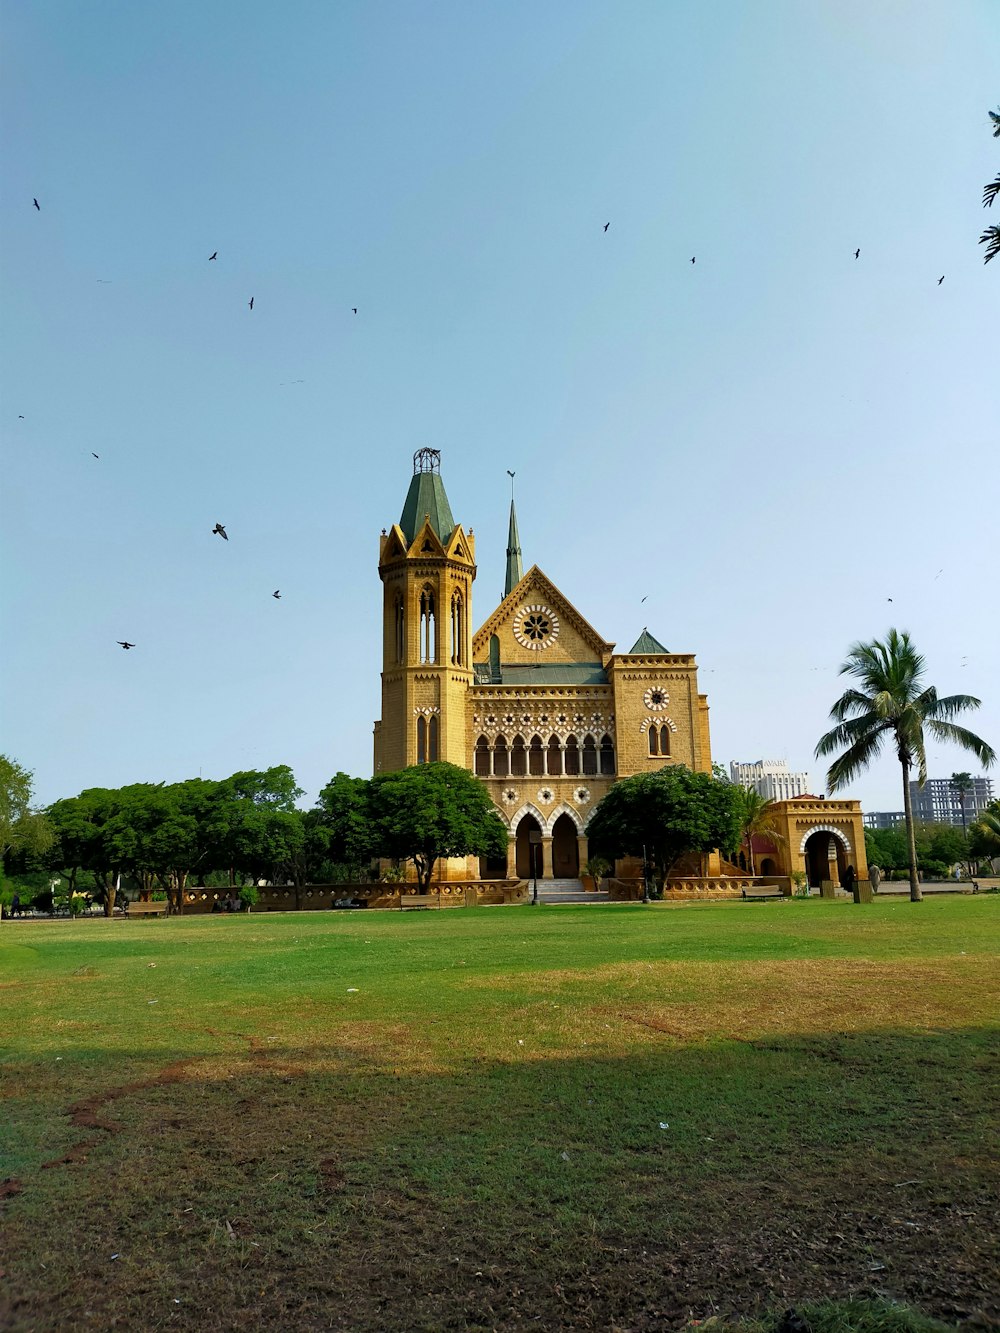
(518, 758)
(457, 629)
(428, 626)
(607, 754)
(590, 756)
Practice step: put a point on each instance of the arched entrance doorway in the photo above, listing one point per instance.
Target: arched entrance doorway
(565, 849)
(525, 867)
(825, 858)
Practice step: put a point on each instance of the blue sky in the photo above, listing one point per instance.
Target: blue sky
(767, 445)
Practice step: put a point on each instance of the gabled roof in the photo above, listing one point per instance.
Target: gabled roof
(645, 644)
(535, 583)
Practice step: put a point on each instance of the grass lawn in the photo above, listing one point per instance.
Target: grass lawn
(574, 1117)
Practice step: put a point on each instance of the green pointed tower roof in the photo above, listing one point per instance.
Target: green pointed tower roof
(426, 496)
(646, 644)
(514, 571)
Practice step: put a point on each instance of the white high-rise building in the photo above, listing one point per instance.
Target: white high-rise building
(771, 778)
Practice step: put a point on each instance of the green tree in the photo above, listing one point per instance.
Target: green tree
(664, 814)
(984, 835)
(22, 829)
(893, 703)
(343, 816)
(758, 817)
(991, 236)
(962, 784)
(887, 848)
(78, 822)
(429, 811)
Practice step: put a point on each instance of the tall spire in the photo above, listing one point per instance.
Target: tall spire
(426, 497)
(514, 570)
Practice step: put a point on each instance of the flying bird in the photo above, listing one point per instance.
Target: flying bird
(607, 225)
(941, 279)
(642, 599)
(37, 204)
(354, 309)
(857, 252)
(251, 303)
(509, 473)
(124, 644)
(938, 575)
(93, 455)
(221, 531)
(277, 594)
(888, 599)
(692, 259)
(212, 256)
(20, 416)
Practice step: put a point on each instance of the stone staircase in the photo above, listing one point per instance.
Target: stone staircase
(555, 891)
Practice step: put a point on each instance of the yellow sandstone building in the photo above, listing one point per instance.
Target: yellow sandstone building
(535, 702)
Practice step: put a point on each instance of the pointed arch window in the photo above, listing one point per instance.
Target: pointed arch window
(421, 740)
(572, 757)
(428, 626)
(399, 622)
(590, 756)
(501, 757)
(607, 754)
(536, 758)
(553, 757)
(432, 741)
(457, 629)
(518, 758)
(654, 746)
(482, 758)
(664, 740)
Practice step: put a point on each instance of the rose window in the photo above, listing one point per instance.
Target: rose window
(655, 698)
(546, 796)
(491, 719)
(582, 795)
(535, 627)
(510, 796)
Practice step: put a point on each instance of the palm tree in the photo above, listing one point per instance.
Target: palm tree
(893, 702)
(991, 236)
(758, 819)
(961, 785)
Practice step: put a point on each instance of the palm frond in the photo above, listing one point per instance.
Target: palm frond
(995, 117)
(852, 701)
(951, 705)
(991, 239)
(990, 192)
(849, 733)
(968, 740)
(856, 758)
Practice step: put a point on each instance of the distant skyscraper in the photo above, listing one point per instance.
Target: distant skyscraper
(937, 802)
(771, 778)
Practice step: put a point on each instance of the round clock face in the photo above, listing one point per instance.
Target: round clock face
(655, 699)
(535, 627)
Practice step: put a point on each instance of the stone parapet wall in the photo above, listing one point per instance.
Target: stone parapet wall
(687, 888)
(321, 897)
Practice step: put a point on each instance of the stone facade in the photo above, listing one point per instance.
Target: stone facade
(536, 703)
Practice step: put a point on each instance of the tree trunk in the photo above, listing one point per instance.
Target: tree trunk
(915, 895)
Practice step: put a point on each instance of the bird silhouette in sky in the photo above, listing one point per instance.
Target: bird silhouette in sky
(607, 225)
(214, 255)
(941, 279)
(251, 303)
(857, 252)
(938, 575)
(693, 257)
(37, 204)
(277, 594)
(642, 599)
(354, 309)
(93, 455)
(221, 531)
(509, 473)
(20, 416)
(125, 644)
(888, 599)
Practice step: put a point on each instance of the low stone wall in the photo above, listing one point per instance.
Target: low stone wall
(321, 897)
(689, 888)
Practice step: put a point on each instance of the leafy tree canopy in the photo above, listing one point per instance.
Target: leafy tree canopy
(667, 813)
(343, 820)
(21, 828)
(429, 811)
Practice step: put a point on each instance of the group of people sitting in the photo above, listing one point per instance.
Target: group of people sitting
(231, 903)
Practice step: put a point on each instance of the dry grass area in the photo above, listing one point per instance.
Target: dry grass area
(514, 1120)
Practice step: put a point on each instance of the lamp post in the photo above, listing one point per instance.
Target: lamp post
(534, 842)
(645, 876)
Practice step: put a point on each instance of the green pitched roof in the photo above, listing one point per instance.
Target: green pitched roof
(427, 496)
(646, 644)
